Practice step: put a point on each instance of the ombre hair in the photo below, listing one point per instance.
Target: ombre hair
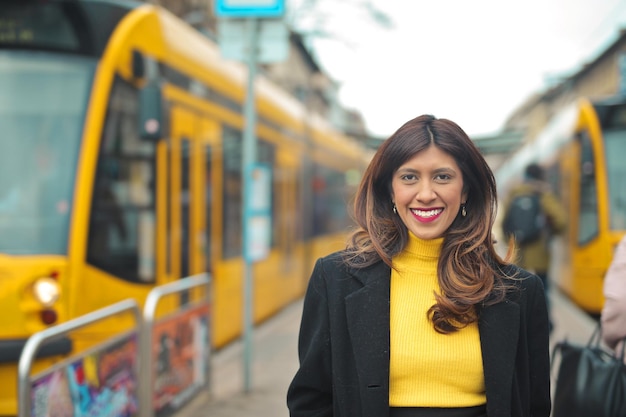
(469, 269)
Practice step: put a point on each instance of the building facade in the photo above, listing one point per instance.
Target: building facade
(603, 76)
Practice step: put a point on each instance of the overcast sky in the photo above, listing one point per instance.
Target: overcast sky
(472, 61)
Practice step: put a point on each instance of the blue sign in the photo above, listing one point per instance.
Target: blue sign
(249, 8)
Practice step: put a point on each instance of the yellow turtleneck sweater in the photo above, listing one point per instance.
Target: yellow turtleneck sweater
(428, 369)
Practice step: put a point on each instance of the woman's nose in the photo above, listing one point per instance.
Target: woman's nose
(426, 193)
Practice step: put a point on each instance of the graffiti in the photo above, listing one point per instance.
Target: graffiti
(99, 384)
(180, 349)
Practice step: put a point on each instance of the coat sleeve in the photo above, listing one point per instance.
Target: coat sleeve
(539, 351)
(613, 317)
(310, 392)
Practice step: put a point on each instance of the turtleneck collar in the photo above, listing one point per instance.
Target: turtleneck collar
(423, 248)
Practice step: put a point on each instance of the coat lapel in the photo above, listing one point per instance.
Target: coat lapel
(499, 334)
(367, 314)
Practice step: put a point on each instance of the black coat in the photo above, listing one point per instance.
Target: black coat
(344, 346)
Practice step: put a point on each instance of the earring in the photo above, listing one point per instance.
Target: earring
(395, 210)
(463, 211)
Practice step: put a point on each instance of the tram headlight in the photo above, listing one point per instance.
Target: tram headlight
(46, 291)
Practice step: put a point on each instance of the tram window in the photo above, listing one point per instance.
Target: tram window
(121, 227)
(40, 147)
(306, 197)
(299, 211)
(588, 204)
(267, 155)
(233, 204)
(287, 216)
(38, 25)
(615, 149)
(611, 116)
(231, 234)
(185, 206)
(330, 213)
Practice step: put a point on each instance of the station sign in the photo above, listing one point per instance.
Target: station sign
(249, 8)
(272, 40)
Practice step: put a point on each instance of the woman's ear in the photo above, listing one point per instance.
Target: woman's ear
(464, 195)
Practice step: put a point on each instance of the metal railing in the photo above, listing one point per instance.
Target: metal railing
(36, 340)
(144, 327)
(149, 312)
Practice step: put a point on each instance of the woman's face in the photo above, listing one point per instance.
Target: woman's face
(428, 191)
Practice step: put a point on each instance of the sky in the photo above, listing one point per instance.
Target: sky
(471, 61)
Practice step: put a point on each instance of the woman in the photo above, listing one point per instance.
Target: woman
(419, 316)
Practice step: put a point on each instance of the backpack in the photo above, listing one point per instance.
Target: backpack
(524, 219)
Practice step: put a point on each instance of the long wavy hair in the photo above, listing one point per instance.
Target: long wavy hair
(469, 269)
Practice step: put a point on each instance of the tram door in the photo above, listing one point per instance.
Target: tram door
(187, 189)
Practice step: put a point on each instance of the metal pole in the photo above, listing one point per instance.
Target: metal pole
(249, 158)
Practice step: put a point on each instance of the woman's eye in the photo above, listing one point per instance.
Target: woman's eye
(442, 177)
(409, 177)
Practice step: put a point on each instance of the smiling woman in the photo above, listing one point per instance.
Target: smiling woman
(427, 192)
(420, 294)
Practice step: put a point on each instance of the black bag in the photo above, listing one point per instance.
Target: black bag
(591, 381)
(524, 218)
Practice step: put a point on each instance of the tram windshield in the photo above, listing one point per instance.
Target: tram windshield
(42, 110)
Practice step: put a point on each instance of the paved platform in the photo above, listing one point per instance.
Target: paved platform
(275, 362)
(569, 321)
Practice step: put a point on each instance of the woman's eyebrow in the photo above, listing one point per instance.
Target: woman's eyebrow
(436, 170)
(407, 169)
(445, 169)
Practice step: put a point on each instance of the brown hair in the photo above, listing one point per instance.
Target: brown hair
(469, 269)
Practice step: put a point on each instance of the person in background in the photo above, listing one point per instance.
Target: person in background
(536, 256)
(419, 316)
(613, 316)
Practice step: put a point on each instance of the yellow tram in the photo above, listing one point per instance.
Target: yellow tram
(582, 150)
(100, 206)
